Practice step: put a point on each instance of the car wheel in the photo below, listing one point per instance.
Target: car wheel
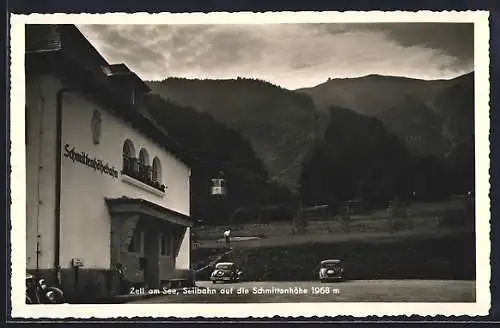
(214, 282)
(322, 280)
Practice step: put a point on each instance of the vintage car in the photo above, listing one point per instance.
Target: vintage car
(226, 272)
(332, 269)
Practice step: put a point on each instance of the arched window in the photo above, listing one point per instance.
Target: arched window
(129, 160)
(156, 170)
(144, 167)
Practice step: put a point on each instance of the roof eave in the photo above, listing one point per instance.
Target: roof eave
(144, 207)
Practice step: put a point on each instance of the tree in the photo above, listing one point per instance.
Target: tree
(359, 159)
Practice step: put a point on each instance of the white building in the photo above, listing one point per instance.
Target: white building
(105, 187)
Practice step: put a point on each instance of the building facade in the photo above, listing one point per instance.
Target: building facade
(107, 194)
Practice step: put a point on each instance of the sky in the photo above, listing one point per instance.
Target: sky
(289, 55)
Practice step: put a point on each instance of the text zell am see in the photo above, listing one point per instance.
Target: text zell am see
(323, 290)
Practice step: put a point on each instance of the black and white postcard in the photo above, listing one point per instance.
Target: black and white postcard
(250, 164)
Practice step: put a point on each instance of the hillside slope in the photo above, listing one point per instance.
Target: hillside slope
(372, 94)
(364, 136)
(210, 146)
(280, 125)
(432, 117)
(359, 158)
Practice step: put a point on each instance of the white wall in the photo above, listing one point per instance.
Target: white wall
(40, 172)
(85, 222)
(183, 260)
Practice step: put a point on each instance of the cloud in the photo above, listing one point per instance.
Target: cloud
(290, 55)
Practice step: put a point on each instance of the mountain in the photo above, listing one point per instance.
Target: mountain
(371, 138)
(360, 158)
(281, 125)
(456, 108)
(372, 94)
(429, 116)
(455, 105)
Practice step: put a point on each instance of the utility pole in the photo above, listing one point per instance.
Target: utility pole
(299, 220)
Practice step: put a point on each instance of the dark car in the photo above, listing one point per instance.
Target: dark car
(332, 269)
(226, 272)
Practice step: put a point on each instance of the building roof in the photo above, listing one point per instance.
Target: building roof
(64, 50)
(142, 206)
(121, 71)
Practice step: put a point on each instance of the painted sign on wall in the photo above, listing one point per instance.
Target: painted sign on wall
(95, 163)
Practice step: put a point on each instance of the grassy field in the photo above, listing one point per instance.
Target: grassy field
(421, 216)
(436, 241)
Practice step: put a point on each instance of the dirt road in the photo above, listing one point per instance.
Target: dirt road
(330, 238)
